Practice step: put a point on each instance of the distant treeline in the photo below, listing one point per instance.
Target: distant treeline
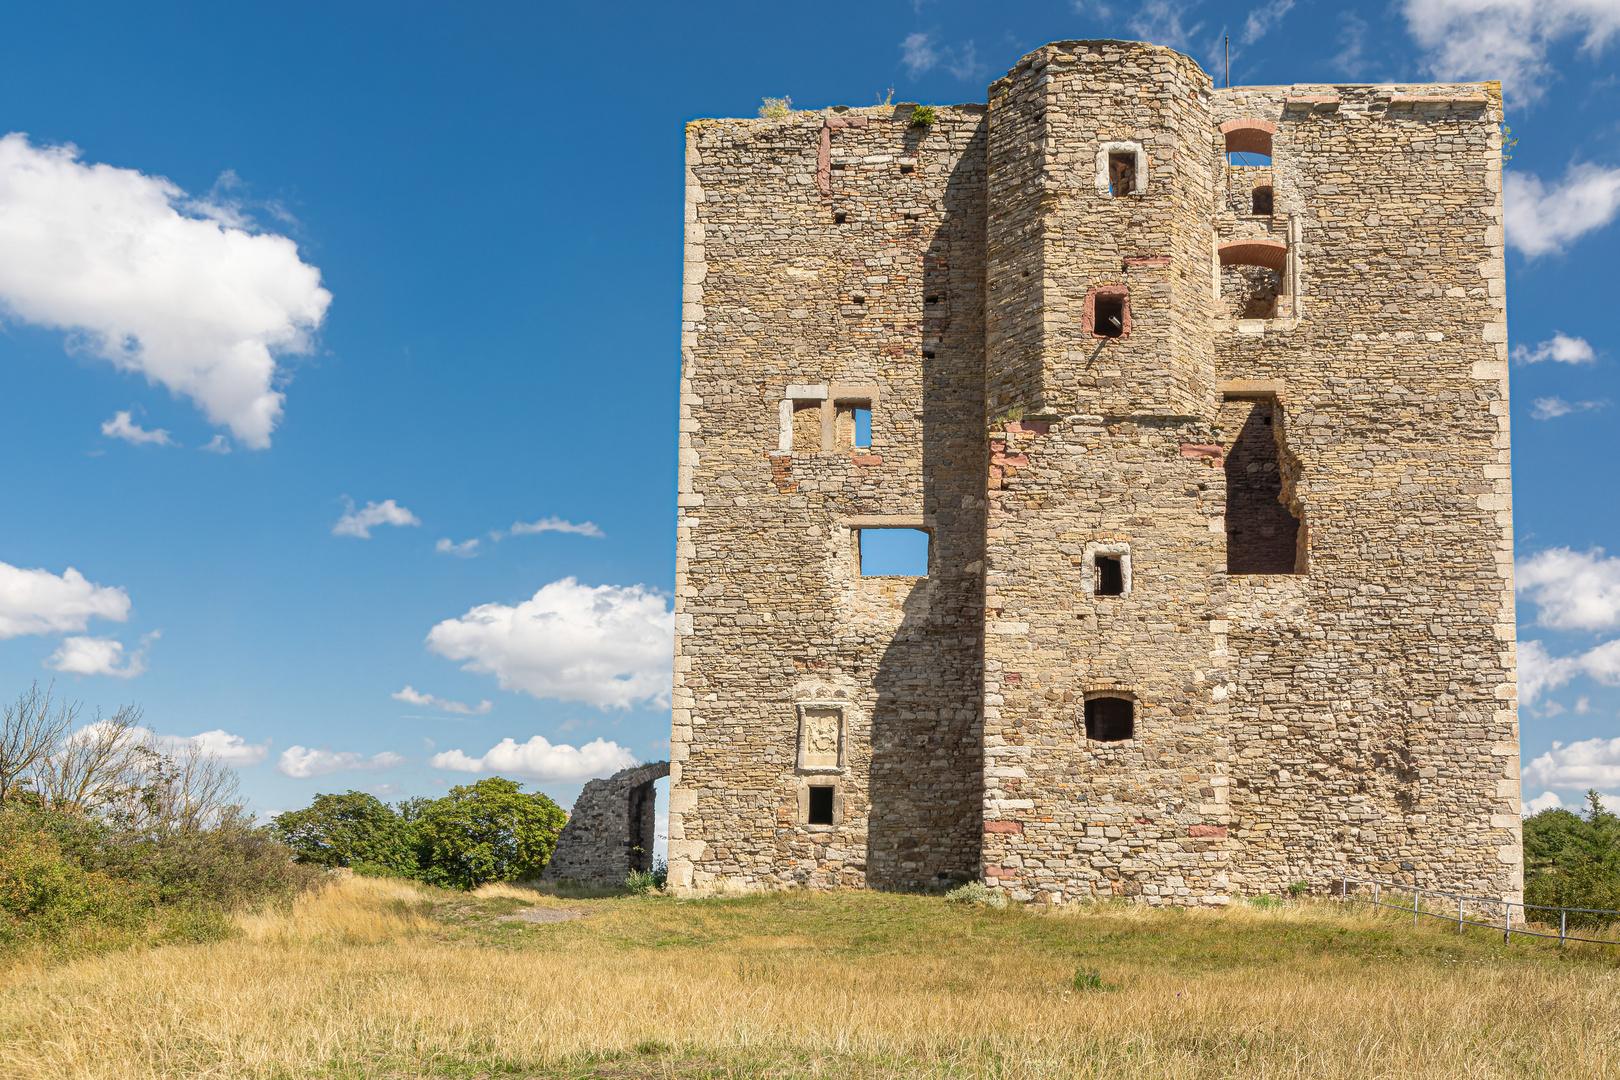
(1573, 861)
(110, 836)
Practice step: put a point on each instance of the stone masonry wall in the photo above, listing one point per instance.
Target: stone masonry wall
(611, 829)
(1315, 633)
(831, 256)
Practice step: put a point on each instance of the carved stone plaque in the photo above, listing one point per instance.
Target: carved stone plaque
(820, 737)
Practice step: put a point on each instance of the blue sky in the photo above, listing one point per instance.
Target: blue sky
(391, 279)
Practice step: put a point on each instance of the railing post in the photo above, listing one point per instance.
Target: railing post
(1563, 916)
(1375, 894)
(1507, 922)
(1416, 892)
(1459, 914)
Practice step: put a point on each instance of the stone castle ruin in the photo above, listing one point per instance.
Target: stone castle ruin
(1199, 399)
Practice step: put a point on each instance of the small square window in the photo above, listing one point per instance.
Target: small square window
(806, 427)
(852, 425)
(1110, 719)
(821, 806)
(892, 552)
(1110, 576)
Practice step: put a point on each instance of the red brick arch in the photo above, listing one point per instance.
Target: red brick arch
(1272, 254)
(1248, 135)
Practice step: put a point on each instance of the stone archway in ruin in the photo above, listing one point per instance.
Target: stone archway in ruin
(611, 830)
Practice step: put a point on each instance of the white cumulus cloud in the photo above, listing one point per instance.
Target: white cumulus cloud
(1551, 408)
(232, 750)
(157, 283)
(96, 656)
(302, 762)
(1591, 763)
(608, 646)
(359, 522)
(1560, 347)
(39, 602)
(539, 760)
(428, 701)
(550, 524)
(121, 427)
(1572, 590)
(1547, 800)
(1542, 219)
(1540, 671)
(1506, 39)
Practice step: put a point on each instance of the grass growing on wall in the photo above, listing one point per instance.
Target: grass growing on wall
(373, 978)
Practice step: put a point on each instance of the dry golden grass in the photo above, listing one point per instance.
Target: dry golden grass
(352, 984)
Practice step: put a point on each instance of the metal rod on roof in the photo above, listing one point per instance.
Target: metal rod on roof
(1228, 40)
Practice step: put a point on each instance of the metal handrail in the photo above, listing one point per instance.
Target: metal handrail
(1506, 925)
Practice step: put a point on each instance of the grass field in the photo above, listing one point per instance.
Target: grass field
(384, 979)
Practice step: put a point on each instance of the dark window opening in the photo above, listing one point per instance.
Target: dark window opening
(1122, 173)
(930, 299)
(1262, 533)
(837, 165)
(928, 354)
(642, 819)
(858, 298)
(1110, 576)
(821, 806)
(893, 552)
(1110, 719)
(1109, 320)
(905, 169)
(838, 218)
(1262, 200)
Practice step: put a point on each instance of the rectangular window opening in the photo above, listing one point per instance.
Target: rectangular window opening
(928, 354)
(1110, 576)
(852, 425)
(893, 552)
(821, 806)
(1262, 533)
(1110, 719)
(905, 169)
(806, 427)
(1121, 173)
(838, 217)
(1262, 200)
(1110, 316)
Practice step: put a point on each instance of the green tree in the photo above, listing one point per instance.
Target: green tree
(355, 830)
(1574, 861)
(490, 831)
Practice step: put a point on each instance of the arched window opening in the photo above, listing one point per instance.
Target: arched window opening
(1252, 277)
(1248, 141)
(1110, 719)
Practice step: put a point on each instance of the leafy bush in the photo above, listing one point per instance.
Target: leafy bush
(1574, 862)
(489, 831)
(45, 894)
(1090, 980)
(1265, 903)
(353, 830)
(923, 116)
(976, 892)
(776, 108)
(640, 882)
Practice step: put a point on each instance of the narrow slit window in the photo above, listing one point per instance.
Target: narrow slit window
(893, 552)
(1110, 316)
(821, 806)
(1262, 200)
(1121, 173)
(1110, 719)
(852, 425)
(1110, 576)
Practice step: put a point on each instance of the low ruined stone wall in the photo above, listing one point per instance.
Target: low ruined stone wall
(610, 832)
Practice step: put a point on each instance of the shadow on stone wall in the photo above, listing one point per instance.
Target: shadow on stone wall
(611, 830)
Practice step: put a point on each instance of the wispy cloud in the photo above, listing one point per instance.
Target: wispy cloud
(1551, 408)
(359, 522)
(921, 53)
(1262, 20)
(1506, 39)
(467, 549)
(1540, 672)
(550, 524)
(302, 762)
(1560, 348)
(219, 444)
(122, 427)
(1352, 40)
(428, 701)
(1544, 219)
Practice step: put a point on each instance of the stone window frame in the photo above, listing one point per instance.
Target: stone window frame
(829, 395)
(808, 782)
(1088, 567)
(855, 523)
(1104, 188)
(800, 709)
(1088, 314)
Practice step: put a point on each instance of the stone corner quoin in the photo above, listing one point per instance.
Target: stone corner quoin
(1200, 396)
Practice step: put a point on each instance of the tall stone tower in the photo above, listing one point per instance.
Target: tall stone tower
(1199, 396)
